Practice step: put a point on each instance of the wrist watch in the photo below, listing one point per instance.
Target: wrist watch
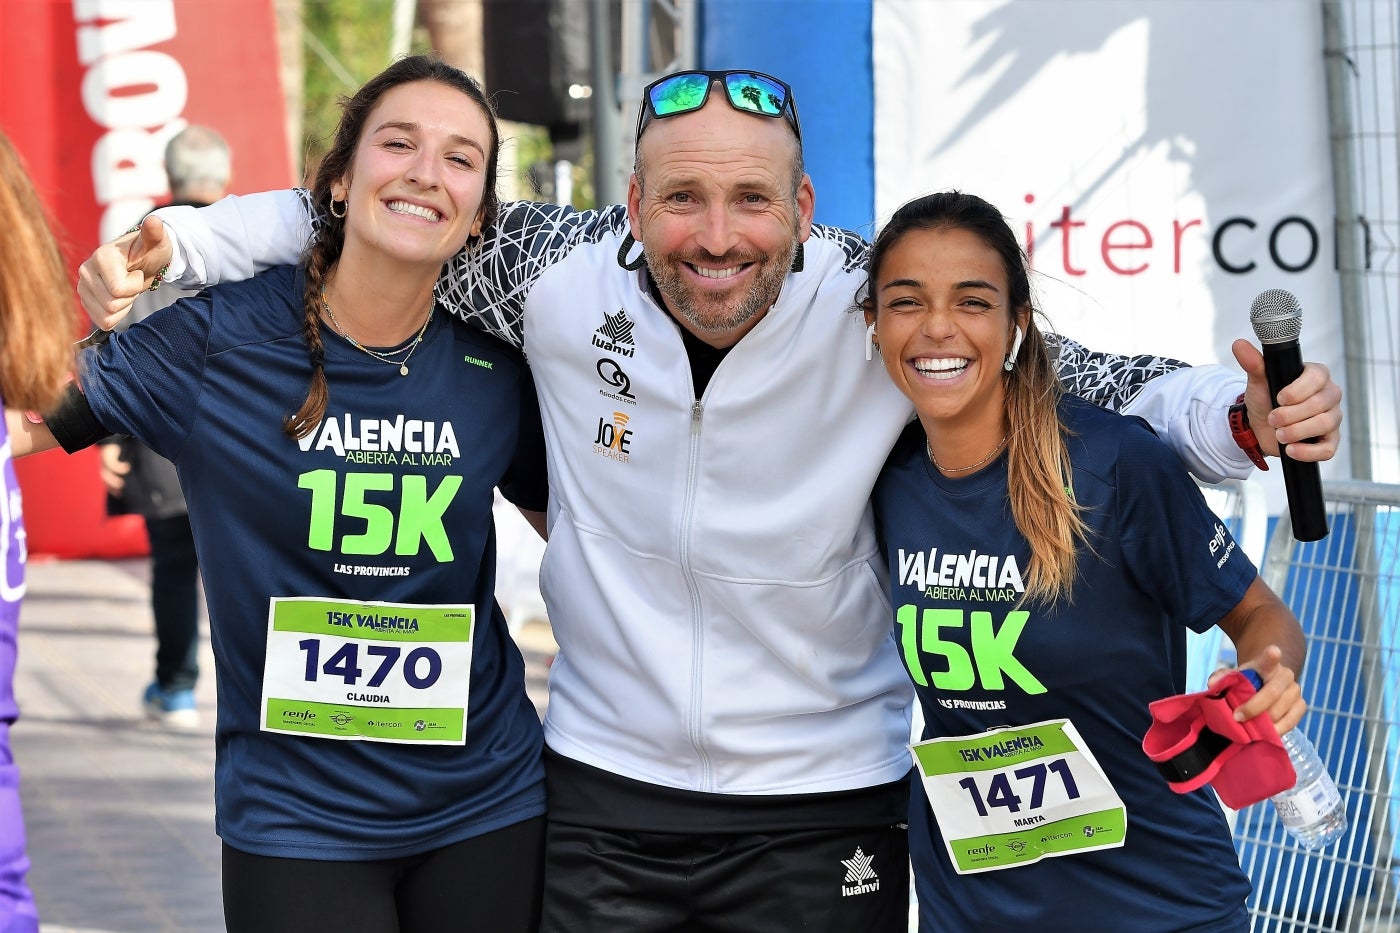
(1244, 434)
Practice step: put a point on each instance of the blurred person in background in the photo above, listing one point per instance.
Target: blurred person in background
(141, 482)
(35, 334)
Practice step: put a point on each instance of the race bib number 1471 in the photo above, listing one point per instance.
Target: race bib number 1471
(1013, 796)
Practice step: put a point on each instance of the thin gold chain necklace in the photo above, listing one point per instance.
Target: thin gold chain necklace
(928, 449)
(382, 357)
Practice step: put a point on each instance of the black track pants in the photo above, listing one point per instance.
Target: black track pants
(603, 881)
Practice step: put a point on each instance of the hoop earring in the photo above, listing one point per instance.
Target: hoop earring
(624, 249)
(345, 207)
(799, 260)
(1015, 348)
(870, 345)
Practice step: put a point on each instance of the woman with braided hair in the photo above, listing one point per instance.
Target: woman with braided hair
(378, 758)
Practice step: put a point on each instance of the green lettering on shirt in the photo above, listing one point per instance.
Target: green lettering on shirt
(993, 658)
(419, 518)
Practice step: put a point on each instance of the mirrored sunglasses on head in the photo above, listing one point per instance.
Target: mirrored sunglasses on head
(749, 91)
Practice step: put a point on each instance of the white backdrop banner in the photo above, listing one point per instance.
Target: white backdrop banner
(1164, 163)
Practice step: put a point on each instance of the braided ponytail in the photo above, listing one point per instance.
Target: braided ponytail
(320, 259)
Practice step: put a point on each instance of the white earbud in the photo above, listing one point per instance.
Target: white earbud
(870, 343)
(1015, 347)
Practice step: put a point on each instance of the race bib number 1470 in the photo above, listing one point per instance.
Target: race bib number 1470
(369, 671)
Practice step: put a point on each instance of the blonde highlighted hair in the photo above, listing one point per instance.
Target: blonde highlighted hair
(1039, 474)
(36, 296)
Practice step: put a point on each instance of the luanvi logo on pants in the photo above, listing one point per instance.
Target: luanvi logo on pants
(860, 877)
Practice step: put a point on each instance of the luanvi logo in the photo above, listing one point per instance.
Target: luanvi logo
(860, 877)
(615, 336)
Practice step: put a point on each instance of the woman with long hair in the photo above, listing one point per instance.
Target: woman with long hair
(1046, 559)
(339, 441)
(36, 321)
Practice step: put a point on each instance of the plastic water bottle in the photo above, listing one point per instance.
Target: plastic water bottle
(1312, 809)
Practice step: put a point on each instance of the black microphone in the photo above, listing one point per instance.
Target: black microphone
(1277, 319)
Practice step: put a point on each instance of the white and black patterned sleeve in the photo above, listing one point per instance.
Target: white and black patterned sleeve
(1106, 379)
(1186, 405)
(487, 285)
(851, 243)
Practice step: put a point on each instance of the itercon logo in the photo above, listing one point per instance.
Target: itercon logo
(614, 438)
(615, 336)
(860, 877)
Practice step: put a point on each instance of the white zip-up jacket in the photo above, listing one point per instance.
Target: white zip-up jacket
(711, 573)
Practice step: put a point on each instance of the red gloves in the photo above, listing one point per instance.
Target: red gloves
(1194, 738)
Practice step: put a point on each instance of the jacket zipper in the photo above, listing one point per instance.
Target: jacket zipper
(697, 640)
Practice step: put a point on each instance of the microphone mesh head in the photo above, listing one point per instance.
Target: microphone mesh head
(1276, 316)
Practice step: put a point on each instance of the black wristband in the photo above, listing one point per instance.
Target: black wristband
(72, 422)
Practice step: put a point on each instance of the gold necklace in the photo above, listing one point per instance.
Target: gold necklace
(928, 449)
(382, 357)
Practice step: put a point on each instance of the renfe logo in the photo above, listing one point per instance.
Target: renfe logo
(1217, 541)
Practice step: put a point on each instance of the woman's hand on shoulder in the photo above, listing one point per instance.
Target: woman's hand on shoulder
(111, 279)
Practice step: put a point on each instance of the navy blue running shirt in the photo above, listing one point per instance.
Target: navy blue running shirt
(389, 499)
(1162, 562)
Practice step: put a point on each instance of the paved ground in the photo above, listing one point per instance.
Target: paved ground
(120, 813)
